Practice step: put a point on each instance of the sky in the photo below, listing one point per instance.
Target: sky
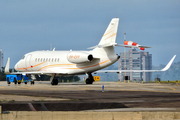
(30, 25)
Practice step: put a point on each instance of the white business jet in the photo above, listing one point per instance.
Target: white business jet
(61, 63)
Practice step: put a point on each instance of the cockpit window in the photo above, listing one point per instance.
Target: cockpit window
(23, 57)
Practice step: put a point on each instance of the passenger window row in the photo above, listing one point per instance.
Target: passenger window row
(47, 60)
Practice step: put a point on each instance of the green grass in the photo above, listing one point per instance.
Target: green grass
(170, 81)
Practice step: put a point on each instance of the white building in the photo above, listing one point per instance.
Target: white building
(135, 60)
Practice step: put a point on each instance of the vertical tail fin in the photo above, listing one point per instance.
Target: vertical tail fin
(109, 36)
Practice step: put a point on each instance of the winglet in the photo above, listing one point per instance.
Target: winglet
(169, 64)
(7, 66)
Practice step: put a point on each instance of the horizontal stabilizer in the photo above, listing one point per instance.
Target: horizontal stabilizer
(104, 45)
(130, 46)
(144, 46)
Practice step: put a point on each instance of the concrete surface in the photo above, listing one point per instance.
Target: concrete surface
(53, 115)
(79, 86)
(129, 95)
(146, 101)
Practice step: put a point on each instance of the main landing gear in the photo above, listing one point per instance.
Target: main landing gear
(90, 79)
(53, 80)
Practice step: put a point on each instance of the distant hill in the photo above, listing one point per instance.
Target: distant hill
(172, 74)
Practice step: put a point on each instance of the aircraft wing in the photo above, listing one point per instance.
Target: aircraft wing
(120, 71)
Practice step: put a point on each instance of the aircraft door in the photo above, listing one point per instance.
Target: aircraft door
(28, 62)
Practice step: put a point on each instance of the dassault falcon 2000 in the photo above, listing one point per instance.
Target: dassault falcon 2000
(61, 63)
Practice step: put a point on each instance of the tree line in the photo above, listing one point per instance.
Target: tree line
(2, 75)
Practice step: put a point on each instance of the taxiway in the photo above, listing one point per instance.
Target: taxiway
(79, 96)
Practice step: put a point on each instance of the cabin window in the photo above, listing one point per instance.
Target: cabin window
(52, 59)
(55, 60)
(58, 60)
(49, 59)
(41, 59)
(46, 59)
(36, 60)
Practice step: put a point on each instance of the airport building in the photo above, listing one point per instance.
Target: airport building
(1, 59)
(135, 60)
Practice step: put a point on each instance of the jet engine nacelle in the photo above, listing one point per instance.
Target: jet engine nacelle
(79, 57)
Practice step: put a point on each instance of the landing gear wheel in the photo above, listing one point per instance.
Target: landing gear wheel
(90, 79)
(54, 82)
(25, 82)
(15, 81)
(32, 83)
(19, 83)
(8, 81)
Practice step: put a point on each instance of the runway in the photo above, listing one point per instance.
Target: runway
(79, 96)
(109, 86)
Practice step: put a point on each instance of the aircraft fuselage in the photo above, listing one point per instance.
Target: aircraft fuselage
(66, 62)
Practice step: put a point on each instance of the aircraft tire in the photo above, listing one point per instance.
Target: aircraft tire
(19, 82)
(8, 81)
(54, 82)
(32, 82)
(89, 81)
(15, 81)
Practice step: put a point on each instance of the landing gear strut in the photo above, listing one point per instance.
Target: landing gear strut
(90, 79)
(53, 80)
